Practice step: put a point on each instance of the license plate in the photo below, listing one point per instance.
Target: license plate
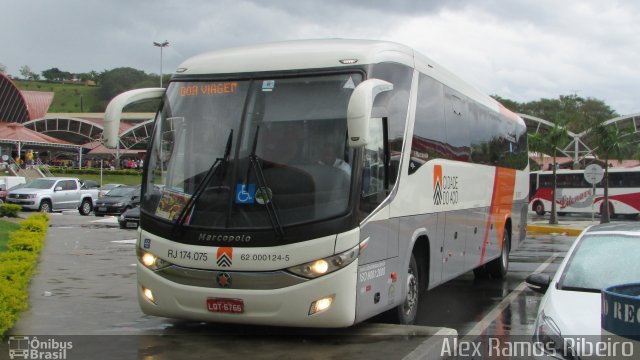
(131, 224)
(102, 208)
(229, 306)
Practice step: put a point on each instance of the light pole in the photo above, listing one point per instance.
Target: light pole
(161, 45)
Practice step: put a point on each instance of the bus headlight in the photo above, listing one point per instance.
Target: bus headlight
(317, 268)
(151, 261)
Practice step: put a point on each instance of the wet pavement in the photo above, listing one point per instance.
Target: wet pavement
(86, 287)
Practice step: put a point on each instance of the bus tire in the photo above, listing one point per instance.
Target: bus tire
(407, 312)
(538, 207)
(498, 268)
(612, 213)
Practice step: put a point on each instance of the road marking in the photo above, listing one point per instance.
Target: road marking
(486, 321)
(107, 220)
(132, 241)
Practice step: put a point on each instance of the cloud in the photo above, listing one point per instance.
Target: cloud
(520, 49)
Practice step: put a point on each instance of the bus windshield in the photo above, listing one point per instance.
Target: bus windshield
(226, 154)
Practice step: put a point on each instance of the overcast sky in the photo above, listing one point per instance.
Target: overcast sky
(518, 49)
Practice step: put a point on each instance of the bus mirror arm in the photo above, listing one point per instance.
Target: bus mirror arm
(114, 111)
(360, 107)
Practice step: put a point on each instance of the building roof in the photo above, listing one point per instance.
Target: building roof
(38, 103)
(21, 106)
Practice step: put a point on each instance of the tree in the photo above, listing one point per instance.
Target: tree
(549, 143)
(53, 74)
(611, 145)
(579, 113)
(26, 72)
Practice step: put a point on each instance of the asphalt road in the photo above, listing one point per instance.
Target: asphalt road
(85, 291)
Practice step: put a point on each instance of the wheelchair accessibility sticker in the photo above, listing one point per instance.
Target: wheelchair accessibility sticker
(245, 193)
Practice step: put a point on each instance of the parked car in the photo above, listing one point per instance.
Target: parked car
(117, 201)
(106, 187)
(4, 193)
(54, 194)
(601, 256)
(130, 219)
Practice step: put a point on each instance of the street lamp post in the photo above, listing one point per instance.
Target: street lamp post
(161, 45)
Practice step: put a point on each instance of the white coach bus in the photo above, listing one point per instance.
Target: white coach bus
(319, 183)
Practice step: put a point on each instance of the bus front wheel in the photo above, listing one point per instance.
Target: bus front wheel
(538, 207)
(407, 311)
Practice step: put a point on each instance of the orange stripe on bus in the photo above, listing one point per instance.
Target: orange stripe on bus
(501, 204)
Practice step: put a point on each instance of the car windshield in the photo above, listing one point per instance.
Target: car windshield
(241, 145)
(40, 184)
(121, 191)
(602, 260)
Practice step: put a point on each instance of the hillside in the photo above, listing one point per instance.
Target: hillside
(67, 96)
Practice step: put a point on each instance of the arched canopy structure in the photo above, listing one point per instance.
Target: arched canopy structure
(137, 136)
(75, 130)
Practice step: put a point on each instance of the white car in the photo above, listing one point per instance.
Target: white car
(602, 256)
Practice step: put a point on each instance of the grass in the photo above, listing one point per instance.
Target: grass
(112, 179)
(5, 228)
(67, 96)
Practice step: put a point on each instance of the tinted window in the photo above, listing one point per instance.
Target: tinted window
(429, 137)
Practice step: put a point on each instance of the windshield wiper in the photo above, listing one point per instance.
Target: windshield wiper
(272, 210)
(202, 185)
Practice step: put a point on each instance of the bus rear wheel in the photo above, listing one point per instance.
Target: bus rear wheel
(538, 207)
(611, 210)
(407, 312)
(498, 268)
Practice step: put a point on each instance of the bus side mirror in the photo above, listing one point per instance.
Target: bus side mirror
(359, 110)
(114, 111)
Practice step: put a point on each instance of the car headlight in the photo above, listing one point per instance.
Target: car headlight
(320, 267)
(118, 204)
(31, 196)
(548, 335)
(151, 261)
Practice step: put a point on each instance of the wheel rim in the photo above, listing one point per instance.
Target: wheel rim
(412, 293)
(86, 208)
(44, 207)
(505, 253)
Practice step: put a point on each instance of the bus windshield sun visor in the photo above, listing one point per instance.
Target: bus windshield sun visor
(221, 164)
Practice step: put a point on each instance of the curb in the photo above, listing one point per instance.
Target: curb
(552, 229)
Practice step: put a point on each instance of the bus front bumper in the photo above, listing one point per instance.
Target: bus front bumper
(288, 306)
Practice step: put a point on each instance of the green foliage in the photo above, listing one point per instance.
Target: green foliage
(10, 210)
(578, 113)
(5, 228)
(16, 266)
(94, 171)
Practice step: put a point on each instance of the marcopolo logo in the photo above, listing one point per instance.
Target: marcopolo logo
(445, 188)
(26, 347)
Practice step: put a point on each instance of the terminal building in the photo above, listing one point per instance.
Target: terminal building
(62, 139)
